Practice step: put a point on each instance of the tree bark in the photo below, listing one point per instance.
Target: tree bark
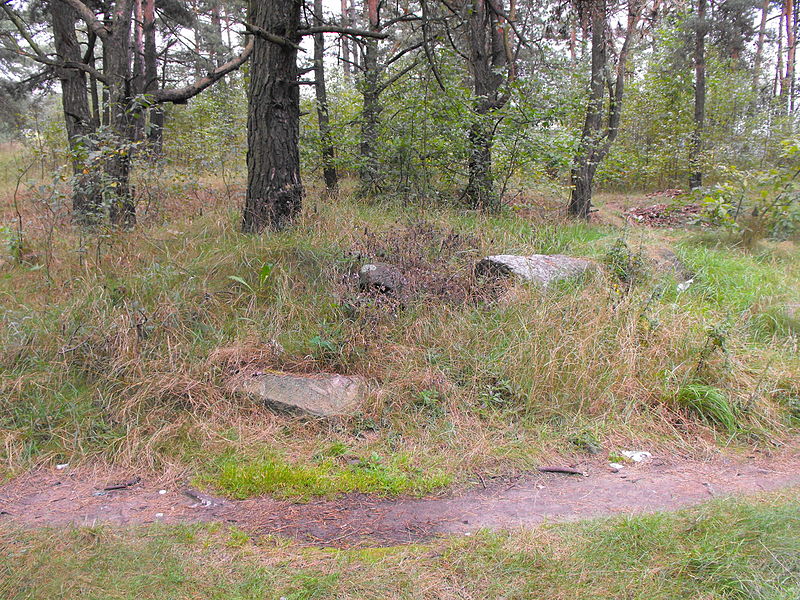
(487, 57)
(585, 167)
(696, 178)
(323, 118)
(345, 43)
(596, 142)
(762, 31)
(122, 208)
(791, 48)
(155, 130)
(369, 172)
(274, 190)
(138, 81)
(86, 200)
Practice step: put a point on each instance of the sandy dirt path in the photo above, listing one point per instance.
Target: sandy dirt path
(48, 498)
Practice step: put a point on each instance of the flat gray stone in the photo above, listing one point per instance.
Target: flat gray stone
(542, 269)
(318, 395)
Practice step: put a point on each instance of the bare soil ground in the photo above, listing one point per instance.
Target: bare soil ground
(49, 498)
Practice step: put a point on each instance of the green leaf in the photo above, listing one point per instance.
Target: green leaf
(241, 281)
(265, 272)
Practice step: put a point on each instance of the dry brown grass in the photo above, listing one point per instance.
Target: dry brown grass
(122, 354)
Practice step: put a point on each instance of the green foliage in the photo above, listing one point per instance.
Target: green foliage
(625, 265)
(242, 477)
(710, 404)
(208, 136)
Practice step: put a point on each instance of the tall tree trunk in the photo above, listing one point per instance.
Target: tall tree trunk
(353, 46)
(138, 81)
(778, 81)
(762, 31)
(487, 56)
(585, 167)
(369, 172)
(117, 48)
(696, 178)
(328, 154)
(274, 190)
(345, 43)
(93, 83)
(480, 191)
(786, 77)
(156, 116)
(216, 27)
(791, 51)
(86, 201)
(596, 142)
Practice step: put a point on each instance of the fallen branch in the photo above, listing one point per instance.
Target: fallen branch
(564, 470)
(122, 486)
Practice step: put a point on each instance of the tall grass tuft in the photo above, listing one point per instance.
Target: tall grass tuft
(710, 404)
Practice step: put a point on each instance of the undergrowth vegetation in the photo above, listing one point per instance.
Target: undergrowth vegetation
(121, 354)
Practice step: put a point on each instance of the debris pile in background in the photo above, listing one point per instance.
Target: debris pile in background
(664, 214)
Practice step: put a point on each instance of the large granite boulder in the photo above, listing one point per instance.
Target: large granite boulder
(540, 269)
(318, 395)
(381, 277)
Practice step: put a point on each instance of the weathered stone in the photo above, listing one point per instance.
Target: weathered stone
(541, 269)
(382, 277)
(318, 395)
(665, 261)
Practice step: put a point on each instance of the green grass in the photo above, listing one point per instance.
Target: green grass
(243, 477)
(122, 355)
(733, 281)
(723, 550)
(710, 404)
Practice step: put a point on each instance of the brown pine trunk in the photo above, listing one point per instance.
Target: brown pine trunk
(86, 199)
(778, 80)
(274, 190)
(138, 81)
(696, 178)
(369, 172)
(216, 26)
(353, 46)
(791, 50)
(117, 49)
(328, 153)
(762, 31)
(156, 116)
(345, 43)
(585, 167)
(786, 77)
(93, 83)
(488, 55)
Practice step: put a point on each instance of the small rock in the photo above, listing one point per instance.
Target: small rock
(664, 261)
(62, 466)
(381, 277)
(159, 515)
(318, 395)
(162, 492)
(538, 268)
